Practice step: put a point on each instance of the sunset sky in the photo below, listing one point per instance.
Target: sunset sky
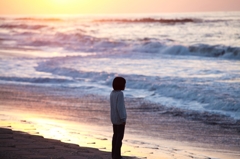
(114, 6)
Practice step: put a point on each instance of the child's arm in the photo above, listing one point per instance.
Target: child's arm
(121, 108)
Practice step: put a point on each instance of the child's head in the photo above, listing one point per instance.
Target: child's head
(119, 83)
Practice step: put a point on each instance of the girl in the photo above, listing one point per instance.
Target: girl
(118, 115)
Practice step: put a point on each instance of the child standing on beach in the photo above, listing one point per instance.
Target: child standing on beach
(118, 115)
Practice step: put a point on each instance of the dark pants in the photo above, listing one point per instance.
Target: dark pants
(118, 133)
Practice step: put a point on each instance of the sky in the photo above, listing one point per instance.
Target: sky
(8, 7)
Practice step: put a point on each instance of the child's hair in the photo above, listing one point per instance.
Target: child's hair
(119, 83)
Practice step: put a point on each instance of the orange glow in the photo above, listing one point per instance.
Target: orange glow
(64, 2)
(114, 6)
(67, 6)
(48, 6)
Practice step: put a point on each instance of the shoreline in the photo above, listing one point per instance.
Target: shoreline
(177, 137)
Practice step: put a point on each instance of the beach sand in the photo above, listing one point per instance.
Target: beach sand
(20, 145)
(33, 126)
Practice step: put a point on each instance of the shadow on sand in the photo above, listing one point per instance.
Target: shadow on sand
(20, 145)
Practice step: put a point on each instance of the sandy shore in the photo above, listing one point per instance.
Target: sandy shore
(20, 145)
(84, 121)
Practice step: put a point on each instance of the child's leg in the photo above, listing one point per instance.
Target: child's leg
(114, 139)
(118, 135)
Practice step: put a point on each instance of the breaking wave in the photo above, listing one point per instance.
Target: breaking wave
(35, 80)
(179, 89)
(215, 51)
(22, 26)
(149, 20)
(22, 33)
(40, 19)
(193, 50)
(161, 20)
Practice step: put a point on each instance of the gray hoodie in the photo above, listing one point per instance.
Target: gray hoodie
(118, 110)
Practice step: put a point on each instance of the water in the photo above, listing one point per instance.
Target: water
(185, 61)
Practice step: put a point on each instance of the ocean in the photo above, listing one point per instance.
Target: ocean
(189, 61)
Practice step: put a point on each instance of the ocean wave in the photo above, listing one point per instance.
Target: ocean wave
(21, 35)
(22, 26)
(81, 42)
(86, 43)
(185, 94)
(148, 20)
(162, 20)
(39, 19)
(215, 51)
(51, 66)
(35, 80)
(94, 44)
(204, 50)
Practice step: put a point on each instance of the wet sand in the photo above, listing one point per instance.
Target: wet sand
(84, 121)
